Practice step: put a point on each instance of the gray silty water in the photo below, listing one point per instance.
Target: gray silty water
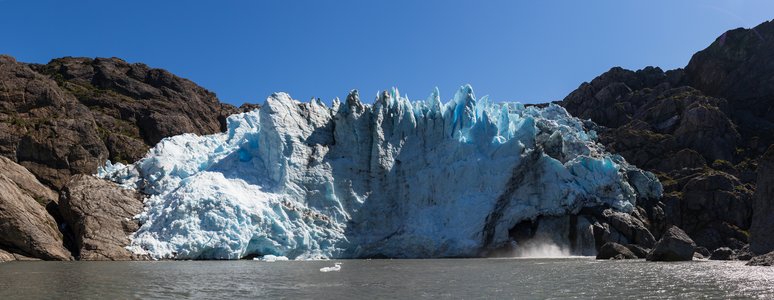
(377, 279)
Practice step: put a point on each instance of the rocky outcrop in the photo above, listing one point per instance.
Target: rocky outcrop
(687, 134)
(26, 228)
(762, 230)
(6, 256)
(715, 207)
(638, 250)
(67, 117)
(100, 214)
(704, 252)
(608, 225)
(44, 128)
(27, 182)
(630, 227)
(744, 253)
(675, 245)
(762, 260)
(137, 102)
(737, 66)
(612, 250)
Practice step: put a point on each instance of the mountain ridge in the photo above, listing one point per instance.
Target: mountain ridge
(702, 129)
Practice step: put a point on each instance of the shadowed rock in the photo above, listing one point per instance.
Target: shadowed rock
(675, 245)
(722, 253)
(762, 230)
(762, 260)
(615, 251)
(9, 256)
(100, 214)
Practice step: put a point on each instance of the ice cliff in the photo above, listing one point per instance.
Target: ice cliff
(395, 178)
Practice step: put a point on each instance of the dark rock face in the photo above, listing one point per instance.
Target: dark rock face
(701, 130)
(100, 214)
(714, 208)
(639, 251)
(675, 245)
(739, 66)
(704, 252)
(762, 260)
(630, 227)
(609, 226)
(67, 117)
(762, 230)
(673, 131)
(722, 253)
(25, 226)
(743, 254)
(612, 250)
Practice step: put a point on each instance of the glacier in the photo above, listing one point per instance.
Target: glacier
(394, 178)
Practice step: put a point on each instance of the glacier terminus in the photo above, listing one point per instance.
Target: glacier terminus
(394, 178)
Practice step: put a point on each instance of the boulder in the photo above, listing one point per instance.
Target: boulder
(25, 225)
(632, 228)
(705, 253)
(722, 253)
(762, 229)
(743, 254)
(612, 250)
(762, 260)
(100, 214)
(675, 245)
(639, 251)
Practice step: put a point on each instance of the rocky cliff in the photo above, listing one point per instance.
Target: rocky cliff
(26, 227)
(701, 129)
(68, 117)
(762, 231)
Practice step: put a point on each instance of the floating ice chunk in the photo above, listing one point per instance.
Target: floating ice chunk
(336, 267)
(271, 258)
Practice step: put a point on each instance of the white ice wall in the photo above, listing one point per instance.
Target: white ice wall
(396, 178)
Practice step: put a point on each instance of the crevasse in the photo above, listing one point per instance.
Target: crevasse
(395, 178)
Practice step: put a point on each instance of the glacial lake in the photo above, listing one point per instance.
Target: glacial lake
(580, 278)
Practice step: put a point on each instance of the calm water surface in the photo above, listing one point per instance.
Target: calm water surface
(581, 278)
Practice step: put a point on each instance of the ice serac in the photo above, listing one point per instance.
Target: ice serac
(394, 178)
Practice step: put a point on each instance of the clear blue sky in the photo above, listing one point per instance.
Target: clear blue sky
(528, 51)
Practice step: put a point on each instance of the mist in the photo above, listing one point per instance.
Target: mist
(540, 248)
